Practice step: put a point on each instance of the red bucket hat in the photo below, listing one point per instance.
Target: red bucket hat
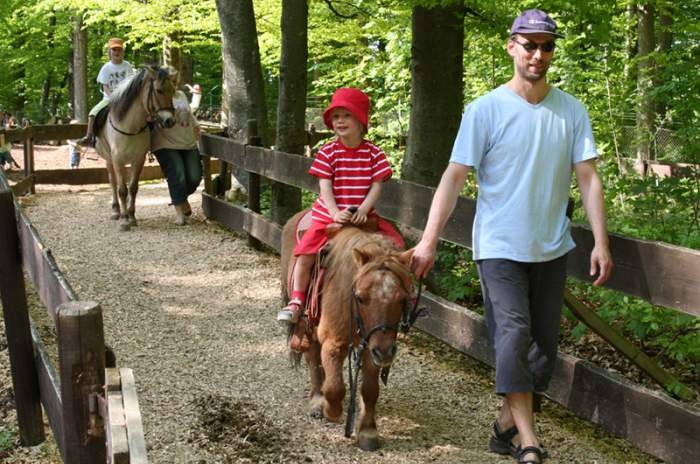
(353, 100)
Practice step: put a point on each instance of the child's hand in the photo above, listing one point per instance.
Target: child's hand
(342, 217)
(360, 217)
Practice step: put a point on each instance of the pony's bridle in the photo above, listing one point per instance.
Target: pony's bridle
(151, 112)
(409, 315)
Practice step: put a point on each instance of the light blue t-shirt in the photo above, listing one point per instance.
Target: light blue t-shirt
(523, 155)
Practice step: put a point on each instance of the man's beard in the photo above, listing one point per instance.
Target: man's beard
(533, 76)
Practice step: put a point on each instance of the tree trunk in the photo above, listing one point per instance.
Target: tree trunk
(291, 107)
(436, 91)
(242, 69)
(645, 80)
(663, 47)
(48, 80)
(80, 106)
(187, 72)
(172, 56)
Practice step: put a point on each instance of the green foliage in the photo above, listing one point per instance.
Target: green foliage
(8, 438)
(669, 336)
(457, 278)
(652, 208)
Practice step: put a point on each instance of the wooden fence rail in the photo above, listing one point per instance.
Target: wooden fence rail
(75, 406)
(657, 272)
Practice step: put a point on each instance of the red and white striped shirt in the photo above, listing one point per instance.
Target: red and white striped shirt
(352, 171)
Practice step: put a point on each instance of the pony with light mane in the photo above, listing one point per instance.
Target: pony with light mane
(366, 289)
(141, 100)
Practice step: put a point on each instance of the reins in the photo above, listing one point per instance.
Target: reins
(408, 318)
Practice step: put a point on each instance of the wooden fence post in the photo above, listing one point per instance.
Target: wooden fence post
(253, 179)
(25, 381)
(81, 352)
(28, 145)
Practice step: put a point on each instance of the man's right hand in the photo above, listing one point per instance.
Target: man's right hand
(423, 259)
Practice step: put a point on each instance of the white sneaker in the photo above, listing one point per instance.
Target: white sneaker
(290, 313)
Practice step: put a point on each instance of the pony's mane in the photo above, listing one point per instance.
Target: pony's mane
(126, 93)
(340, 262)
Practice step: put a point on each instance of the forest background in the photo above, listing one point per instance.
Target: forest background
(635, 66)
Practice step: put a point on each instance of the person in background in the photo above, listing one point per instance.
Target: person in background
(176, 151)
(110, 76)
(6, 145)
(523, 139)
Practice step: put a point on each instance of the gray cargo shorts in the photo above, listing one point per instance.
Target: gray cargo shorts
(523, 309)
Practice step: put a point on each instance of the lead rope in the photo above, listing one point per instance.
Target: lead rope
(356, 357)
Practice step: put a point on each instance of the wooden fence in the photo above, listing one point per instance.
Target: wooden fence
(659, 273)
(93, 421)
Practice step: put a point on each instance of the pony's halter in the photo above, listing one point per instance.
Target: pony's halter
(151, 112)
(151, 108)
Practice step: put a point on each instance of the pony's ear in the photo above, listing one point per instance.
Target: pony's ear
(361, 256)
(405, 257)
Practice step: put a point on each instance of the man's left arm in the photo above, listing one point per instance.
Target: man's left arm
(592, 195)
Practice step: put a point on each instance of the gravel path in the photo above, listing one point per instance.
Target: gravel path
(191, 311)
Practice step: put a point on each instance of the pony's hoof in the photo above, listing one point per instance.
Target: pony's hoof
(133, 222)
(124, 227)
(316, 407)
(330, 417)
(115, 215)
(369, 441)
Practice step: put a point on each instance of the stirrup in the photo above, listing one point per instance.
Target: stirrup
(290, 313)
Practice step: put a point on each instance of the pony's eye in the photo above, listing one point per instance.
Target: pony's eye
(159, 91)
(359, 299)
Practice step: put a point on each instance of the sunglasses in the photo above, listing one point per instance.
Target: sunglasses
(530, 47)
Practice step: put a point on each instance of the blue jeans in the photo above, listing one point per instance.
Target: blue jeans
(183, 171)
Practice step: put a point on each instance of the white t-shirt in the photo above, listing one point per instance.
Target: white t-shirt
(112, 74)
(523, 155)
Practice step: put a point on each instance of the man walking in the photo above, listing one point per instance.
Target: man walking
(523, 139)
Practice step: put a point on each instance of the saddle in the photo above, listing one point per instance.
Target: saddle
(100, 120)
(303, 331)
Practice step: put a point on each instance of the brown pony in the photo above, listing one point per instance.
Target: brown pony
(367, 284)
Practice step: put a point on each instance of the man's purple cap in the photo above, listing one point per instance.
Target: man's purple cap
(534, 22)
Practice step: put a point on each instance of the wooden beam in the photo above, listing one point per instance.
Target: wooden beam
(657, 272)
(132, 413)
(50, 283)
(243, 220)
(85, 176)
(24, 186)
(25, 382)
(45, 132)
(631, 352)
(81, 352)
(117, 441)
(49, 388)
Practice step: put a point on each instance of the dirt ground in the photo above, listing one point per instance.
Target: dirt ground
(191, 310)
